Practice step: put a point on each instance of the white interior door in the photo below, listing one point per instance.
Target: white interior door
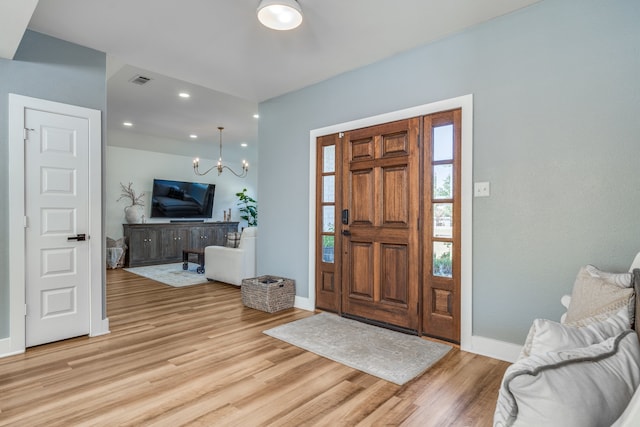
(57, 214)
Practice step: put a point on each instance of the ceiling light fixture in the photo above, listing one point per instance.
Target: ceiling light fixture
(193, 136)
(184, 95)
(220, 167)
(280, 14)
(127, 124)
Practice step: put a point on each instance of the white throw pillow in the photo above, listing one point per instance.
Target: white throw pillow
(547, 335)
(585, 387)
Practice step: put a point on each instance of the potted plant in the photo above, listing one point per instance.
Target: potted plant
(248, 208)
(134, 212)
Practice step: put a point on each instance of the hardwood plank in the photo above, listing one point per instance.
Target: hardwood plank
(195, 356)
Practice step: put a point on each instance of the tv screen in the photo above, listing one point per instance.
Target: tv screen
(181, 199)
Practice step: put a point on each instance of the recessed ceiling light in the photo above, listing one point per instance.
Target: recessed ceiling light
(193, 136)
(244, 144)
(256, 116)
(184, 95)
(127, 124)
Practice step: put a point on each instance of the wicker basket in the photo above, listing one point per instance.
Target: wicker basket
(268, 293)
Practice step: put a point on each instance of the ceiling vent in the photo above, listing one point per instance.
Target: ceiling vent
(140, 80)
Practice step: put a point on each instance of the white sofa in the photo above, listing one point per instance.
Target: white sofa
(631, 416)
(582, 373)
(231, 265)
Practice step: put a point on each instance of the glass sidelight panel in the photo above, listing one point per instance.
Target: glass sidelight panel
(328, 219)
(443, 259)
(329, 159)
(328, 248)
(443, 181)
(443, 220)
(443, 143)
(328, 189)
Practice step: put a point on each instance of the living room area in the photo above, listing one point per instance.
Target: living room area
(547, 185)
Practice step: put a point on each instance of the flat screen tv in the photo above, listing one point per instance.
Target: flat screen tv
(181, 199)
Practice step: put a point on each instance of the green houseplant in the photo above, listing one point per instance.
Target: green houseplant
(248, 208)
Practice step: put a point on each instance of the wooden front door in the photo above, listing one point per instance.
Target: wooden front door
(379, 223)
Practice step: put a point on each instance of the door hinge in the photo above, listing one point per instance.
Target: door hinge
(417, 307)
(25, 309)
(25, 133)
(26, 221)
(340, 134)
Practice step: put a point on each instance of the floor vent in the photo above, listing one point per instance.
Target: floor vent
(140, 80)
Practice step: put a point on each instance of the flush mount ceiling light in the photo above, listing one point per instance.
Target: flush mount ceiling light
(280, 14)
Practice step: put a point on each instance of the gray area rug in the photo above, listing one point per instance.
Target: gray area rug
(390, 355)
(171, 274)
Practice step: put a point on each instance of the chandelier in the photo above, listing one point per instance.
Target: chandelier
(220, 166)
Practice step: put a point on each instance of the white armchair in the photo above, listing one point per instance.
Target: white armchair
(231, 265)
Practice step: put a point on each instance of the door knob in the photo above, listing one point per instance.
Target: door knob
(346, 233)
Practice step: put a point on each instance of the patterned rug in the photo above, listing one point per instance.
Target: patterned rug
(390, 355)
(171, 274)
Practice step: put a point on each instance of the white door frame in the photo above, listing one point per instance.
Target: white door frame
(15, 343)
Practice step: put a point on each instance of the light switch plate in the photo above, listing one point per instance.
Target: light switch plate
(481, 189)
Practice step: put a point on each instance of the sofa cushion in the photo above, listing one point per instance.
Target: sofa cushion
(583, 387)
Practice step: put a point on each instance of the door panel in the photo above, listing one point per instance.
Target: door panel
(395, 197)
(361, 285)
(394, 273)
(380, 248)
(362, 208)
(56, 183)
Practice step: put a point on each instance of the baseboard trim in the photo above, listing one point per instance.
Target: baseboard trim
(6, 350)
(493, 348)
(103, 330)
(303, 303)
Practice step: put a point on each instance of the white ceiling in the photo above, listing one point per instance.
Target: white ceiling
(219, 46)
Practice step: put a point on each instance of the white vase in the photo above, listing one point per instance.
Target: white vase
(133, 214)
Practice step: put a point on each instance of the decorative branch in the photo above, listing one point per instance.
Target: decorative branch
(129, 193)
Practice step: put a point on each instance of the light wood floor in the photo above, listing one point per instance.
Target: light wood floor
(196, 356)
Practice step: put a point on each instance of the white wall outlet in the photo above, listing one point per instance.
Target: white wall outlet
(481, 189)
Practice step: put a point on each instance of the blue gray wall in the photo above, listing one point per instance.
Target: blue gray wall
(51, 69)
(556, 132)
